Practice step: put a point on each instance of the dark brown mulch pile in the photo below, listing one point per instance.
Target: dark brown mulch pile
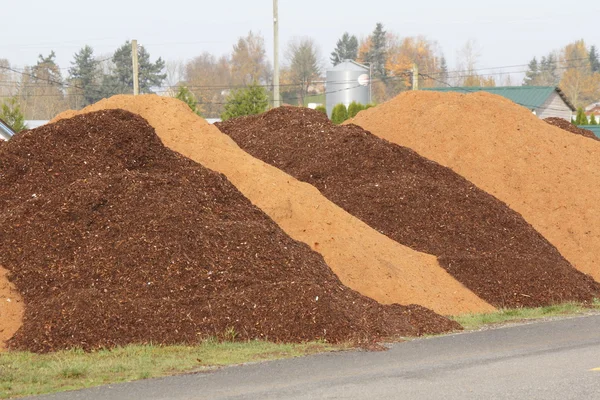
(113, 239)
(567, 126)
(477, 238)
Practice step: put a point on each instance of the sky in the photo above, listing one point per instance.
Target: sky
(507, 33)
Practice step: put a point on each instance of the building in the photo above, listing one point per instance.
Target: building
(347, 82)
(5, 131)
(543, 101)
(35, 123)
(594, 128)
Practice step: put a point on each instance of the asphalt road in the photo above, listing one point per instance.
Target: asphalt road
(544, 360)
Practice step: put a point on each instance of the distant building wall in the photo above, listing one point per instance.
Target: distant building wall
(554, 106)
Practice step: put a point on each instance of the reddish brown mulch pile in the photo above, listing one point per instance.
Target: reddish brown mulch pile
(114, 239)
(478, 239)
(567, 126)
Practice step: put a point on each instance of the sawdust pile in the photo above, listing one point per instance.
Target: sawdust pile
(551, 177)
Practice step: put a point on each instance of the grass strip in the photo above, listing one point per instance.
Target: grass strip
(477, 321)
(26, 374)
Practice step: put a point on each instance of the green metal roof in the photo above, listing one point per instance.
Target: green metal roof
(593, 128)
(532, 97)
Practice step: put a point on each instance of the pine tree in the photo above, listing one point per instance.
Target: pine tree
(10, 112)
(339, 114)
(322, 109)
(593, 120)
(346, 49)
(443, 70)
(251, 100)
(594, 61)
(85, 75)
(532, 75)
(150, 73)
(377, 54)
(581, 118)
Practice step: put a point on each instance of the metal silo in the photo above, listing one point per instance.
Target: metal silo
(347, 82)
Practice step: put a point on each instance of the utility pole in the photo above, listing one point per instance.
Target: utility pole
(276, 99)
(134, 59)
(415, 77)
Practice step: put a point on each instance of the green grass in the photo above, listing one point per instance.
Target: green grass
(476, 321)
(24, 374)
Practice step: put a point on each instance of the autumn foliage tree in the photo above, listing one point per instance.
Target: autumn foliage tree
(249, 60)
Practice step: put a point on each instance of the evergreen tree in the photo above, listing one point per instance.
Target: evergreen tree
(346, 49)
(581, 118)
(532, 75)
(150, 73)
(443, 70)
(85, 74)
(593, 120)
(251, 100)
(354, 108)
(377, 54)
(322, 109)
(10, 112)
(184, 94)
(339, 114)
(594, 62)
(46, 71)
(548, 74)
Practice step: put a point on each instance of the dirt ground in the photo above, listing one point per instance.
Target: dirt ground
(550, 176)
(363, 259)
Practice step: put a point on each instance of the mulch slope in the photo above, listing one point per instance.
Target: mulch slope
(113, 239)
(569, 127)
(479, 240)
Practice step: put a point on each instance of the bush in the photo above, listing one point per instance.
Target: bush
(369, 105)
(354, 108)
(184, 94)
(322, 109)
(249, 101)
(339, 114)
(581, 118)
(11, 113)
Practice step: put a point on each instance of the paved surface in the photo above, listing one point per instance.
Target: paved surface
(547, 360)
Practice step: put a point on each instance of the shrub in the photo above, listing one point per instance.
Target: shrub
(251, 100)
(339, 114)
(322, 109)
(581, 118)
(354, 108)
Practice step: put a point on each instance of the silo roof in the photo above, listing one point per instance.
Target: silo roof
(349, 65)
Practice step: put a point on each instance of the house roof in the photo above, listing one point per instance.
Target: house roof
(593, 128)
(5, 131)
(532, 97)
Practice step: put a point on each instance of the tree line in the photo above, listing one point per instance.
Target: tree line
(208, 82)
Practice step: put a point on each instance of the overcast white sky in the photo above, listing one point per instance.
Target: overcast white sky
(508, 32)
